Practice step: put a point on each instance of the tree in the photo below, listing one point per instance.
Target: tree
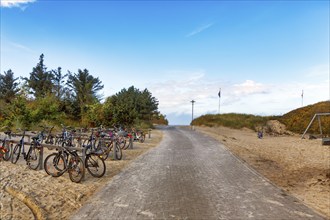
(40, 80)
(8, 86)
(131, 106)
(85, 89)
(59, 83)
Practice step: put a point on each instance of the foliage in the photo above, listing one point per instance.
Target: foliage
(8, 86)
(40, 81)
(84, 89)
(232, 120)
(131, 107)
(71, 98)
(160, 119)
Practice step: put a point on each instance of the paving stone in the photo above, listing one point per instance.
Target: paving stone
(191, 176)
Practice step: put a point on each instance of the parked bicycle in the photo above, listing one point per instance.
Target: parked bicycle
(32, 157)
(66, 159)
(5, 146)
(106, 146)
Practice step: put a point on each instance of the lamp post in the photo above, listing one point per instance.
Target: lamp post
(192, 113)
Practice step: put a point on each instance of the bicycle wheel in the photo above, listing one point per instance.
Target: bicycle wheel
(32, 158)
(122, 142)
(95, 165)
(127, 143)
(119, 153)
(55, 165)
(16, 153)
(105, 150)
(76, 169)
(141, 138)
(6, 146)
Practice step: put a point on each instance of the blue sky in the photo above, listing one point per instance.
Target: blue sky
(262, 54)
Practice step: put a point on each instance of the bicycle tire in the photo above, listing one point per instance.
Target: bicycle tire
(55, 165)
(95, 165)
(122, 142)
(32, 158)
(127, 145)
(119, 152)
(7, 148)
(15, 154)
(105, 151)
(141, 138)
(76, 169)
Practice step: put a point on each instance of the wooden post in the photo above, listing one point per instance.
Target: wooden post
(131, 142)
(41, 159)
(114, 149)
(318, 118)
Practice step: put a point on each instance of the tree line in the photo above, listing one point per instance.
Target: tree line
(54, 97)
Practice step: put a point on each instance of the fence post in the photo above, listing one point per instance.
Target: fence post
(131, 142)
(149, 133)
(83, 155)
(41, 158)
(114, 149)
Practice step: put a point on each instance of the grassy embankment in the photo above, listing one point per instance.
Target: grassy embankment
(295, 121)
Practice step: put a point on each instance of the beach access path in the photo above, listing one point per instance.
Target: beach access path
(191, 176)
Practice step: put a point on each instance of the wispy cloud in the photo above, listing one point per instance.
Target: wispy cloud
(200, 29)
(22, 4)
(21, 47)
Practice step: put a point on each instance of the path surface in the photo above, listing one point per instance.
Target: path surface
(191, 176)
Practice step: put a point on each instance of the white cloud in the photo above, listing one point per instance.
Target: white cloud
(248, 96)
(15, 3)
(200, 29)
(249, 87)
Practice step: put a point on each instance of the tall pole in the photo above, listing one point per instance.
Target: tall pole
(219, 94)
(192, 112)
(302, 98)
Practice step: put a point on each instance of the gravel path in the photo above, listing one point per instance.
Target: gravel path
(191, 176)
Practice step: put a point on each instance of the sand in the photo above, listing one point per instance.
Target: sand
(56, 198)
(301, 167)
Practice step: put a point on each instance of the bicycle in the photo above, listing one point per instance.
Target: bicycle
(33, 154)
(56, 164)
(94, 162)
(5, 146)
(65, 138)
(106, 147)
(50, 139)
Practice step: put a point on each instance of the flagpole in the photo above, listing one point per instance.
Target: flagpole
(219, 94)
(302, 98)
